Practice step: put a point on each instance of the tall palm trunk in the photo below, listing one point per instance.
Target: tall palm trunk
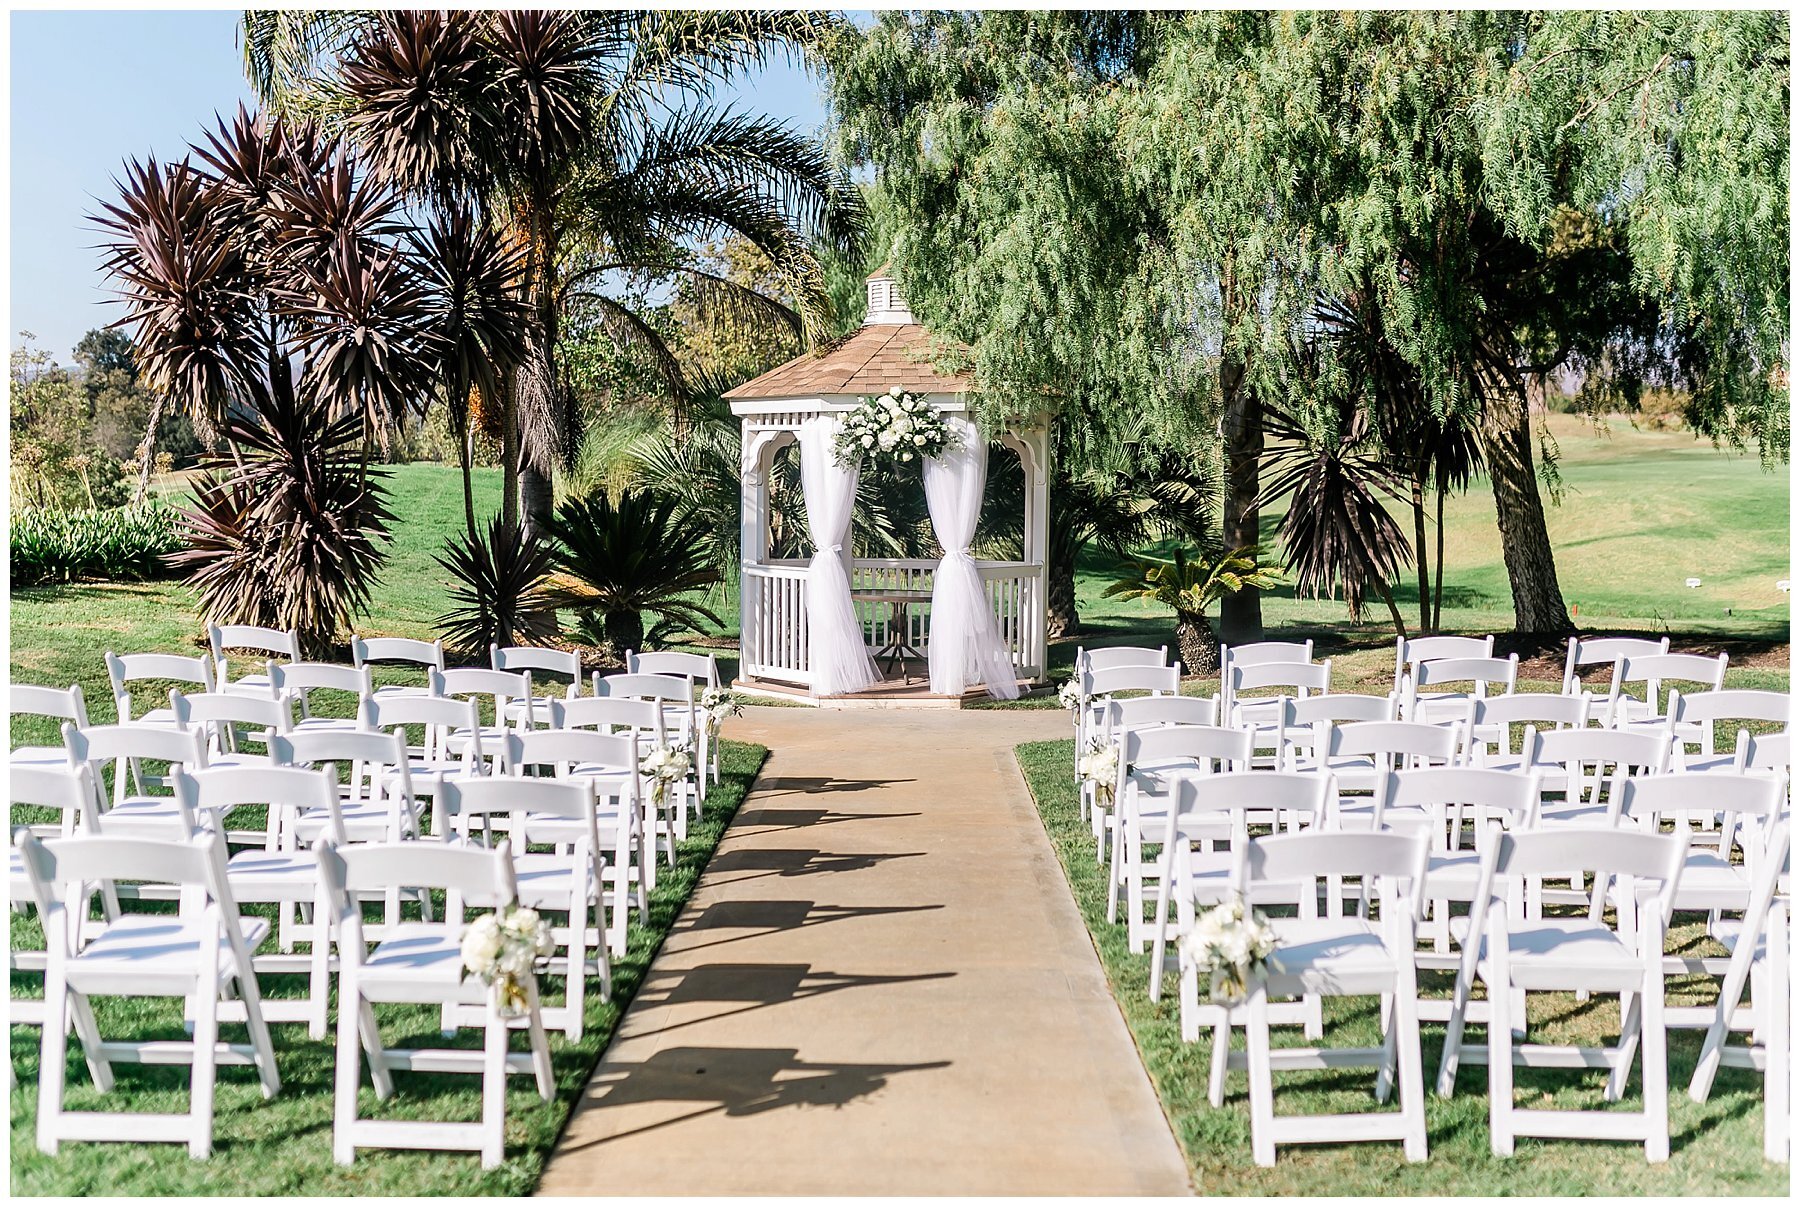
(1437, 602)
(1240, 614)
(1420, 558)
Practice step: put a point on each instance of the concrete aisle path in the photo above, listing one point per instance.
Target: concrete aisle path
(880, 986)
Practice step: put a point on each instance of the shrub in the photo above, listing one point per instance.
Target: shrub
(126, 544)
(500, 593)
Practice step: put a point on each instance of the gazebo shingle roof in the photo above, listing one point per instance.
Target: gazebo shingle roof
(870, 360)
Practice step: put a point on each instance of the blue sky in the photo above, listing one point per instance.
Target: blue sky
(92, 89)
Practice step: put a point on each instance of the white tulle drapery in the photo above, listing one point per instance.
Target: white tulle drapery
(965, 647)
(835, 649)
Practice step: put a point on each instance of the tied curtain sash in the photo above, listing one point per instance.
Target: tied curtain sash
(965, 646)
(835, 649)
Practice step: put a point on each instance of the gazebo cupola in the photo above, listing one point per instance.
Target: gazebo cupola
(890, 349)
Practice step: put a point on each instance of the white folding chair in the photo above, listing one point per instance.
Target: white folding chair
(1105, 658)
(1657, 671)
(676, 695)
(545, 666)
(58, 703)
(1305, 725)
(1156, 712)
(1511, 953)
(68, 792)
(202, 954)
(125, 746)
(1096, 687)
(1766, 752)
(1360, 753)
(1193, 874)
(1587, 652)
(1693, 720)
(492, 692)
(1151, 762)
(1410, 651)
(374, 775)
(399, 651)
(1339, 956)
(1587, 767)
(1258, 652)
(569, 878)
(346, 686)
(700, 670)
(1491, 722)
(125, 669)
(645, 722)
(264, 642)
(1717, 878)
(1760, 961)
(1439, 707)
(609, 762)
(224, 716)
(1261, 716)
(421, 962)
(281, 873)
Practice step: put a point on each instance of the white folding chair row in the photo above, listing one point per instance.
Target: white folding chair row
(256, 639)
(682, 724)
(1262, 716)
(421, 962)
(648, 726)
(1511, 951)
(1585, 652)
(1096, 687)
(427, 656)
(1657, 672)
(202, 954)
(1486, 677)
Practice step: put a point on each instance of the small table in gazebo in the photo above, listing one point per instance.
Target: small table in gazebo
(899, 646)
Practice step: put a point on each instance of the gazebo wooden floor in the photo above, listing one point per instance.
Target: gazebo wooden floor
(908, 686)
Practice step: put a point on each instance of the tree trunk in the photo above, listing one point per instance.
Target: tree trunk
(1538, 605)
(1420, 559)
(1240, 614)
(538, 497)
(624, 631)
(466, 454)
(1387, 597)
(1437, 600)
(1198, 644)
(1059, 595)
(509, 451)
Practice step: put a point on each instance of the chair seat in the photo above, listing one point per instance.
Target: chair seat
(142, 814)
(1730, 932)
(394, 690)
(256, 684)
(327, 725)
(1453, 876)
(540, 709)
(162, 718)
(491, 738)
(237, 758)
(417, 962)
(364, 821)
(1440, 708)
(1567, 953)
(547, 881)
(1707, 882)
(1700, 764)
(39, 756)
(273, 875)
(1330, 955)
(154, 954)
(1564, 813)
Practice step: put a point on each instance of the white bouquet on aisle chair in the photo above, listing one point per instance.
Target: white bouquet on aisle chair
(1229, 949)
(502, 950)
(1100, 769)
(717, 704)
(666, 765)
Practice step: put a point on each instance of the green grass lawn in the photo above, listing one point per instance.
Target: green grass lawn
(283, 1146)
(1717, 1146)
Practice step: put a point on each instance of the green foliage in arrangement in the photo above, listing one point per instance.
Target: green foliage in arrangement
(126, 544)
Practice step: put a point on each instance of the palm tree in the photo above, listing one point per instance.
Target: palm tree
(1190, 585)
(586, 132)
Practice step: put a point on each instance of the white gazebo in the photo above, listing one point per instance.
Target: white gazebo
(798, 638)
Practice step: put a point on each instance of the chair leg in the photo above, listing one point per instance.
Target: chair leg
(204, 1070)
(1221, 1059)
(1262, 1084)
(353, 1016)
(540, 1044)
(1656, 1064)
(87, 1028)
(1500, 1066)
(1777, 1140)
(319, 979)
(493, 1087)
(1384, 1076)
(1630, 1027)
(1411, 1060)
(52, 1058)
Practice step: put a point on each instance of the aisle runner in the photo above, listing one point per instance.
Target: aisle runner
(881, 986)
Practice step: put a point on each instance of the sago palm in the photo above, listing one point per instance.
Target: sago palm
(1190, 585)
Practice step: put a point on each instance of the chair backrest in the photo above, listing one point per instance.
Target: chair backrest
(98, 744)
(471, 683)
(285, 790)
(1111, 657)
(306, 677)
(1258, 652)
(1539, 708)
(354, 748)
(1766, 752)
(539, 659)
(668, 688)
(254, 638)
(68, 790)
(1147, 712)
(1477, 671)
(538, 809)
(1394, 861)
(1653, 858)
(1409, 652)
(195, 861)
(440, 715)
(1747, 804)
(1656, 669)
(1105, 681)
(215, 709)
(124, 669)
(364, 650)
(1632, 753)
(1211, 747)
(607, 713)
(565, 749)
(1508, 797)
(63, 703)
(1732, 704)
(480, 876)
(1591, 651)
(1396, 745)
(1198, 798)
(1303, 677)
(1338, 709)
(698, 668)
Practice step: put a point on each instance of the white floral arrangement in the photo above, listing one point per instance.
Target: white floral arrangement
(1229, 949)
(666, 765)
(1069, 695)
(1100, 768)
(896, 426)
(502, 950)
(717, 704)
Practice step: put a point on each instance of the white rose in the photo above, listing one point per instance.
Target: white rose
(481, 945)
(919, 440)
(906, 456)
(895, 392)
(868, 441)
